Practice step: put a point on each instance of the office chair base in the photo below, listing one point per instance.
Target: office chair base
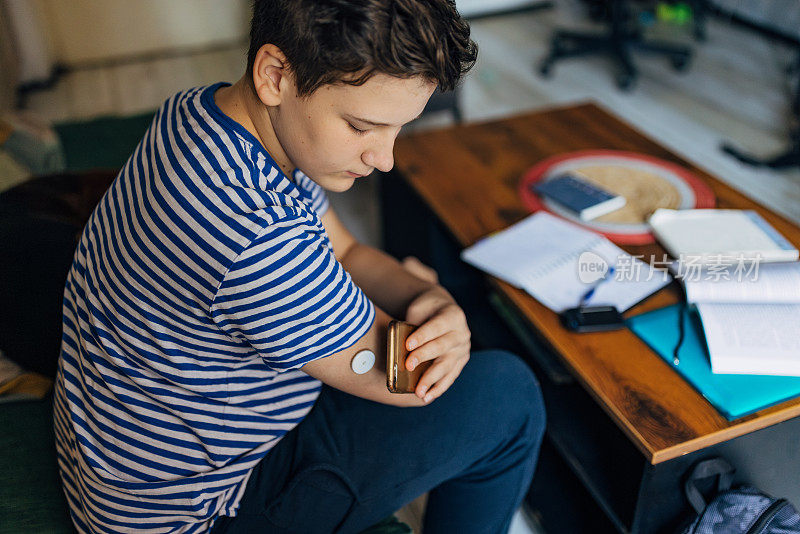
(784, 160)
(567, 44)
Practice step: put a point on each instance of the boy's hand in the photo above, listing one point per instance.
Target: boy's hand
(443, 336)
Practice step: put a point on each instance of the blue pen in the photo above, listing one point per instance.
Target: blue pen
(588, 294)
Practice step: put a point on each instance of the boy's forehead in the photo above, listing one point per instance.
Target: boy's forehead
(382, 99)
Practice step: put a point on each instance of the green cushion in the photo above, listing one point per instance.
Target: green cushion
(31, 499)
(106, 142)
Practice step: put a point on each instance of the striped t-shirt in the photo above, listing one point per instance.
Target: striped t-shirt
(202, 282)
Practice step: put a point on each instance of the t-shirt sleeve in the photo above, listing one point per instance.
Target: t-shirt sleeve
(290, 299)
(313, 191)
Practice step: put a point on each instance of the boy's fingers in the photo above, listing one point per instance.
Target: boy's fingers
(435, 327)
(431, 329)
(433, 349)
(444, 364)
(435, 373)
(444, 383)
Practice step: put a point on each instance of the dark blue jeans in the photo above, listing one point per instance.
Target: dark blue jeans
(352, 462)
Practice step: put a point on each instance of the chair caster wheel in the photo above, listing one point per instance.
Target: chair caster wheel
(700, 34)
(626, 81)
(680, 63)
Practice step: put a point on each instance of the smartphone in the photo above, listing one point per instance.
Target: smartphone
(398, 378)
(592, 319)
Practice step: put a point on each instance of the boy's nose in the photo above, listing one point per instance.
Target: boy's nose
(381, 156)
(383, 161)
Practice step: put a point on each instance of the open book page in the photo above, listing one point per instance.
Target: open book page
(753, 283)
(543, 254)
(760, 339)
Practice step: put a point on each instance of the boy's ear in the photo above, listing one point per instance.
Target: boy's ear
(270, 74)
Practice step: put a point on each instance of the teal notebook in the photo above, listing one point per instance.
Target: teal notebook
(733, 395)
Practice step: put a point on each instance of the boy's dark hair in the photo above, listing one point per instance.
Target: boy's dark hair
(347, 41)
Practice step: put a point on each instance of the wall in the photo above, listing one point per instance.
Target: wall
(87, 31)
(780, 15)
(28, 40)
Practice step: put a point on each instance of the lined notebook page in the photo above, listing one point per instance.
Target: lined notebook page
(540, 254)
(533, 246)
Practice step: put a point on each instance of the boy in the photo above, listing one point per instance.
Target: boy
(214, 291)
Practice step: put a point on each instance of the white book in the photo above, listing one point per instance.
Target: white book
(544, 254)
(714, 235)
(750, 316)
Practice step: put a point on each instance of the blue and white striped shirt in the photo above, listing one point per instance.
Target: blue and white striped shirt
(202, 282)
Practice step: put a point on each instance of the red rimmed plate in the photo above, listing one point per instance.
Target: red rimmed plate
(629, 172)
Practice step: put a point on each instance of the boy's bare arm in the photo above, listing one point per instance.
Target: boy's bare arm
(336, 370)
(381, 277)
(443, 335)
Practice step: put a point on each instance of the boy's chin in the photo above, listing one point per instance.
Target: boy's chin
(336, 184)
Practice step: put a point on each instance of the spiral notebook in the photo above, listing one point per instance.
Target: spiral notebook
(557, 262)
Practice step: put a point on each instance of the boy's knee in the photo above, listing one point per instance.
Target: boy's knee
(524, 396)
(507, 372)
(512, 393)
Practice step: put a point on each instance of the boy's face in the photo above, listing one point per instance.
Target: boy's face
(342, 132)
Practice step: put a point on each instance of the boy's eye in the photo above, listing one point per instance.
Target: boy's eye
(357, 130)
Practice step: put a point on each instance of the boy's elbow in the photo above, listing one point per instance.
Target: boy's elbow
(405, 400)
(335, 371)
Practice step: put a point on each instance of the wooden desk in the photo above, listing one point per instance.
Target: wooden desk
(468, 177)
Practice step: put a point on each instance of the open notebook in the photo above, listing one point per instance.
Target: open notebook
(543, 254)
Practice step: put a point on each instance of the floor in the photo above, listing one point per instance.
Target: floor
(522, 523)
(736, 89)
